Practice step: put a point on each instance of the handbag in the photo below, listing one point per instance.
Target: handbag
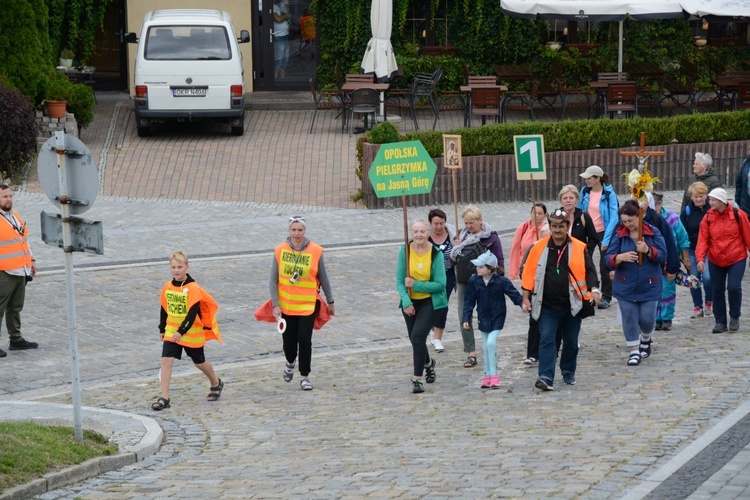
(588, 308)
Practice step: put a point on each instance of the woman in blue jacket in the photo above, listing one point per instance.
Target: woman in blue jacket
(637, 287)
(599, 200)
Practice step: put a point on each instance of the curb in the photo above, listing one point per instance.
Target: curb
(99, 420)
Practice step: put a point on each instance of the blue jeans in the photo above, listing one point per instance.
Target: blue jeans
(705, 276)
(727, 279)
(489, 346)
(637, 317)
(550, 320)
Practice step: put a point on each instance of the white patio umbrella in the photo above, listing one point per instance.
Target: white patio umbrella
(594, 10)
(379, 58)
(711, 9)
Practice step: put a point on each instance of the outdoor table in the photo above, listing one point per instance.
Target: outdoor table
(728, 85)
(350, 86)
(515, 74)
(466, 89)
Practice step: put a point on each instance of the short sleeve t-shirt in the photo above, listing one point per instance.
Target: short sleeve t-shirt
(595, 199)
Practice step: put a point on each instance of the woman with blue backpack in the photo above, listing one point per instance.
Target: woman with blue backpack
(599, 200)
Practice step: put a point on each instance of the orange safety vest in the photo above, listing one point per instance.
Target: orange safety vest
(177, 301)
(14, 246)
(298, 298)
(576, 264)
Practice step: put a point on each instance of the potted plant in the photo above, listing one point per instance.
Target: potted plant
(59, 90)
(66, 58)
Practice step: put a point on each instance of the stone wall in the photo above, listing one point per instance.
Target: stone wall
(485, 179)
(48, 126)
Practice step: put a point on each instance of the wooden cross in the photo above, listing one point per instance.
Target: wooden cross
(643, 155)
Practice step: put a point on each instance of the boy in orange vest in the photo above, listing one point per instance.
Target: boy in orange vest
(188, 321)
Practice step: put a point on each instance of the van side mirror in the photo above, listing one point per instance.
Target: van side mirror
(244, 37)
(130, 38)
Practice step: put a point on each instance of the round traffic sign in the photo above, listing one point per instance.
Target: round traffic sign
(80, 173)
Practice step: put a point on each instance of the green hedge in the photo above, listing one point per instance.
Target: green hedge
(574, 135)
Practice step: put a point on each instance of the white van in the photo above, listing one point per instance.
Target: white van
(188, 66)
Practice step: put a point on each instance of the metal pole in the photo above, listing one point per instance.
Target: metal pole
(619, 47)
(70, 296)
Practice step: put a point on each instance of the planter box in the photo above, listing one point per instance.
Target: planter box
(487, 179)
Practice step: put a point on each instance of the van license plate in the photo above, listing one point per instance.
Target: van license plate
(189, 92)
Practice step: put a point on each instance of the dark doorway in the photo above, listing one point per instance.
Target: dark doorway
(110, 58)
(270, 40)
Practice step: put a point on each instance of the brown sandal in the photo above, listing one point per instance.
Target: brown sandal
(215, 393)
(471, 361)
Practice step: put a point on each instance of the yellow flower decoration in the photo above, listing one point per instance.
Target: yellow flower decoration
(640, 183)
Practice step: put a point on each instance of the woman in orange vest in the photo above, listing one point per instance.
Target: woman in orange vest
(297, 272)
(188, 321)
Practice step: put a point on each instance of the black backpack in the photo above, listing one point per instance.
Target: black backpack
(464, 268)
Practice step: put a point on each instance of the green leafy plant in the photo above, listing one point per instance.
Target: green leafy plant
(59, 87)
(81, 104)
(25, 54)
(74, 23)
(18, 130)
(67, 54)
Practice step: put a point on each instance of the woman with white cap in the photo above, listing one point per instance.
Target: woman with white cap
(724, 238)
(297, 271)
(599, 200)
(703, 171)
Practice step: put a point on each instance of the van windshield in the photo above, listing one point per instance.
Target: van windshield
(187, 43)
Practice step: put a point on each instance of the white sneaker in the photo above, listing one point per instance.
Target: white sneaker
(438, 345)
(432, 337)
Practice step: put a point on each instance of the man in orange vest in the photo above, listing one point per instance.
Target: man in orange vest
(557, 277)
(17, 266)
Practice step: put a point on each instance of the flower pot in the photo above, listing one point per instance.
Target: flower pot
(554, 45)
(700, 42)
(56, 109)
(68, 63)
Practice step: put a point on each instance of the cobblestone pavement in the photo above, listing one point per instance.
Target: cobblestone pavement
(361, 431)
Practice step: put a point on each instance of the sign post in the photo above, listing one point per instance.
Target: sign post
(401, 169)
(68, 176)
(529, 154)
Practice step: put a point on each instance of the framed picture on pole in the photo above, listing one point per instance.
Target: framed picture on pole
(452, 151)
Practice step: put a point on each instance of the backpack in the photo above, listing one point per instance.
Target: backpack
(464, 268)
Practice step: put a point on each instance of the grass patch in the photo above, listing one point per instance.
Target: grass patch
(29, 450)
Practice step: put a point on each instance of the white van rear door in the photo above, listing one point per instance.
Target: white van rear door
(189, 67)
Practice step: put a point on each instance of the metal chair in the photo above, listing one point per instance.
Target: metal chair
(326, 99)
(424, 86)
(621, 97)
(486, 102)
(365, 102)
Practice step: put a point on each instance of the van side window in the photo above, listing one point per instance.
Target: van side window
(187, 43)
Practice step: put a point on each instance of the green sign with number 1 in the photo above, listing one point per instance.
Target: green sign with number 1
(529, 151)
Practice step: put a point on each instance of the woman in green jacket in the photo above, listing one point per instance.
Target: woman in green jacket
(421, 285)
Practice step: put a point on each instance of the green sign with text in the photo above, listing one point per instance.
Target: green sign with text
(529, 150)
(402, 168)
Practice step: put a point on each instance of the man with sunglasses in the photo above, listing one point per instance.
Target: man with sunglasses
(17, 266)
(557, 277)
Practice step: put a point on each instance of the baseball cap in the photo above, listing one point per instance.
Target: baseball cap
(593, 170)
(486, 259)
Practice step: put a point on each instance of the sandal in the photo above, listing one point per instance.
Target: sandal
(215, 393)
(471, 361)
(634, 359)
(160, 404)
(305, 385)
